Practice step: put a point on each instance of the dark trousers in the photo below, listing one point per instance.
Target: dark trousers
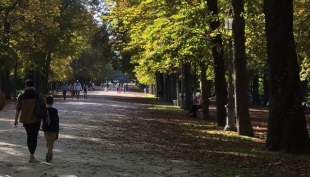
(85, 95)
(64, 94)
(194, 109)
(77, 93)
(32, 135)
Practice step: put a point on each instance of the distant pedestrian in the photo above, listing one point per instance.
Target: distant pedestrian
(51, 130)
(106, 88)
(71, 90)
(77, 89)
(26, 103)
(117, 88)
(64, 89)
(85, 90)
(124, 88)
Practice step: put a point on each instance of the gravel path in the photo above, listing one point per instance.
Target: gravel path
(96, 139)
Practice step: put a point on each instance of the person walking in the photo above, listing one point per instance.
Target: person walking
(85, 90)
(77, 89)
(51, 130)
(64, 88)
(25, 108)
(117, 88)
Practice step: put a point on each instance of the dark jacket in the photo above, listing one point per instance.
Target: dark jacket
(26, 103)
(54, 125)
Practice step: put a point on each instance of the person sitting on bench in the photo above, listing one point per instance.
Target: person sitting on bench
(197, 105)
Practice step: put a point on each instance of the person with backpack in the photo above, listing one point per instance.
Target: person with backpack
(25, 108)
(85, 90)
(64, 89)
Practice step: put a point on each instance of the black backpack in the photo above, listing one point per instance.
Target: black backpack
(40, 110)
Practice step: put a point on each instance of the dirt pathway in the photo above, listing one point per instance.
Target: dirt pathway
(105, 135)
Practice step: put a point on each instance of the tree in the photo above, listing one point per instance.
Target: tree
(241, 83)
(287, 128)
(219, 68)
(6, 9)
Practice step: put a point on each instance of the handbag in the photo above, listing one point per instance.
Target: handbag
(40, 109)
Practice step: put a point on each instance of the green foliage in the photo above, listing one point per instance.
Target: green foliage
(37, 28)
(158, 35)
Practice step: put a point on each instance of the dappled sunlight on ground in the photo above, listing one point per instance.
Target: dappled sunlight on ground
(105, 135)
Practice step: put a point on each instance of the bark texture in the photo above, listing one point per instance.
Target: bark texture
(205, 91)
(219, 68)
(287, 129)
(241, 81)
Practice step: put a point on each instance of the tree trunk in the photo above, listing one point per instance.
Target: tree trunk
(168, 87)
(7, 85)
(188, 86)
(287, 128)
(241, 81)
(219, 68)
(255, 91)
(6, 40)
(162, 86)
(205, 91)
(45, 73)
(157, 85)
(173, 87)
(266, 89)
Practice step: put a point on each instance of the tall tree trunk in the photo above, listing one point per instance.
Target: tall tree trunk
(173, 87)
(205, 91)
(5, 40)
(45, 73)
(219, 68)
(7, 85)
(255, 91)
(287, 128)
(241, 80)
(168, 87)
(161, 86)
(157, 87)
(188, 86)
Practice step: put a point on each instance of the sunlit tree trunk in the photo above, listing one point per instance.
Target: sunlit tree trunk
(287, 128)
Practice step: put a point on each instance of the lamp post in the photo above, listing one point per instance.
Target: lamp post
(230, 107)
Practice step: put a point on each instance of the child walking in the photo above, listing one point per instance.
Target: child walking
(85, 90)
(50, 131)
